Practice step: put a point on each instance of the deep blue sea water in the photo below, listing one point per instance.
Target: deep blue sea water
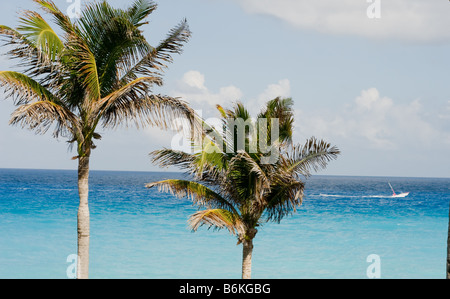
(141, 233)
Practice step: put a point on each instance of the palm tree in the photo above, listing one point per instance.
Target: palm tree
(96, 71)
(238, 189)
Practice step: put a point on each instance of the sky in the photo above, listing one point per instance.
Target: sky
(369, 76)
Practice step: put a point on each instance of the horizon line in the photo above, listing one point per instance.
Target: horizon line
(181, 172)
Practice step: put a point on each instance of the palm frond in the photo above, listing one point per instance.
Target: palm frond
(115, 41)
(240, 111)
(173, 43)
(169, 157)
(133, 91)
(23, 89)
(253, 166)
(87, 68)
(62, 20)
(154, 61)
(217, 219)
(284, 198)
(153, 110)
(41, 115)
(281, 109)
(210, 161)
(41, 34)
(197, 192)
(38, 108)
(24, 50)
(312, 156)
(139, 10)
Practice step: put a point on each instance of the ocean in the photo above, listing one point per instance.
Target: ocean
(347, 227)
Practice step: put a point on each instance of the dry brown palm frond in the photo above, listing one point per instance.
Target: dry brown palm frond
(166, 108)
(130, 92)
(41, 115)
(154, 110)
(38, 108)
(31, 58)
(169, 157)
(217, 219)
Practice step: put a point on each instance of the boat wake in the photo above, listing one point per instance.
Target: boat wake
(394, 195)
(356, 196)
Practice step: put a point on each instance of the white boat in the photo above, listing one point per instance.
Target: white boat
(403, 194)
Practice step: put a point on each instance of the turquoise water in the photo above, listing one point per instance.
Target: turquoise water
(141, 233)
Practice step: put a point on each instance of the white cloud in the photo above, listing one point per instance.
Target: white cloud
(280, 89)
(370, 100)
(373, 121)
(192, 89)
(411, 20)
(194, 80)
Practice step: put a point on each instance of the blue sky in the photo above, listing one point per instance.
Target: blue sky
(378, 88)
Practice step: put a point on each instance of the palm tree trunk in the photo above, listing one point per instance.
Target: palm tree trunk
(247, 250)
(247, 259)
(83, 218)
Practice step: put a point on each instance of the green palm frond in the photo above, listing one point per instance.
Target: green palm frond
(98, 69)
(38, 108)
(199, 193)
(173, 43)
(253, 166)
(209, 160)
(86, 67)
(312, 156)
(24, 89)
(41, 34)
(139, 10)
(63, 21)
(114, 39)
(146, 65)
(284, 198)
(156, 59)
(217, 219)
(281, 109)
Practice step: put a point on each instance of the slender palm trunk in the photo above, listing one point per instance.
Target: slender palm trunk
(83, 218)
(247, 251)
(247, 259)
